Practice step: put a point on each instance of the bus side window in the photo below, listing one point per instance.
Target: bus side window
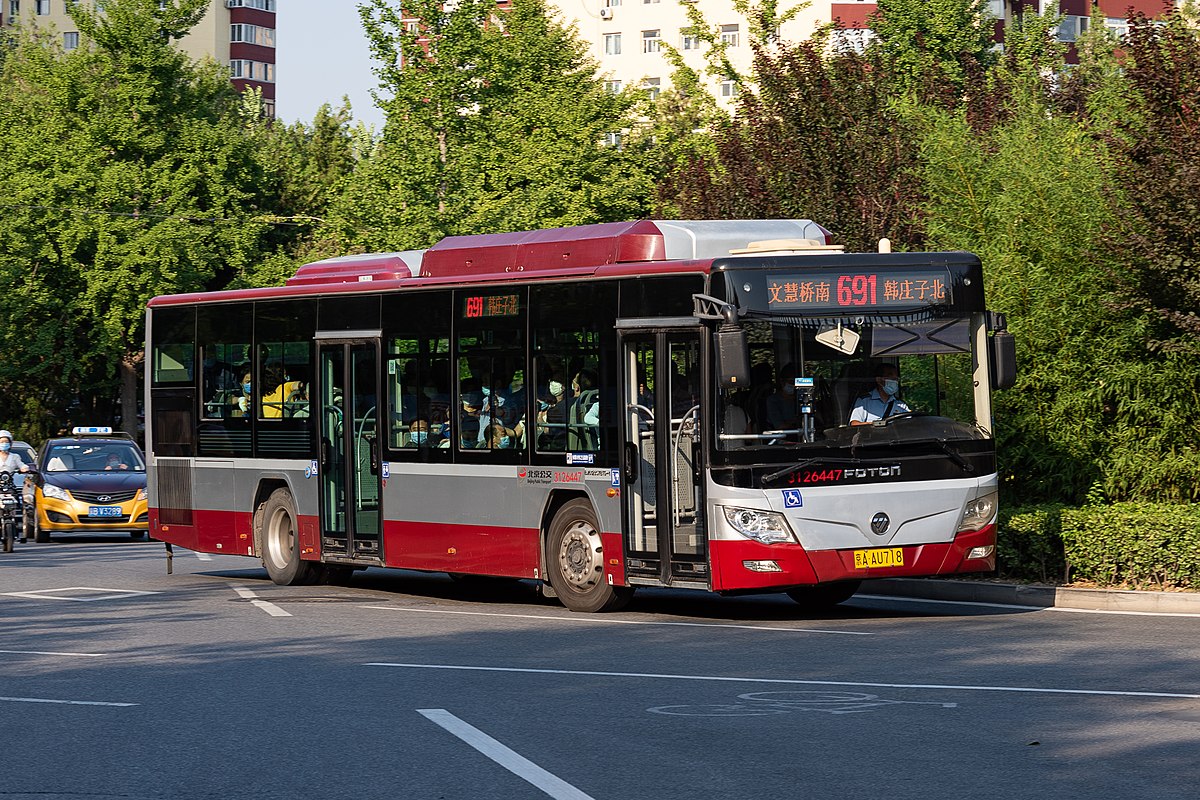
(417, 375)
(567, 370)
(491, 373)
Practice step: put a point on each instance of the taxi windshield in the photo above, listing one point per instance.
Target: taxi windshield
(94, 457)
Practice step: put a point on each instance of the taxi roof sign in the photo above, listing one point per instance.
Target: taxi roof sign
(80, 431)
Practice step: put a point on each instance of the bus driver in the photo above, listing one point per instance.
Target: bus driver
(881, 402)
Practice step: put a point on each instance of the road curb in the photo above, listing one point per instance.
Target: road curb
(1037, 596)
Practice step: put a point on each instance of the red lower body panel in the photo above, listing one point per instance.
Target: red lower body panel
(800, 566)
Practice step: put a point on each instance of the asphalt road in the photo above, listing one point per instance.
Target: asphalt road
(120, 681)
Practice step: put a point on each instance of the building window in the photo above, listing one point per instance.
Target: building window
(729, 35)
(42, 7)
(252, 70)
(70, 40)
(613, 140)
(651, 41)
(252, 34)
(653, 87)
(612, 87)
(612, 44)
(611, 3)
(412, 26)
(729, 89)
(688, 40)
(261, 5)
(648, 2)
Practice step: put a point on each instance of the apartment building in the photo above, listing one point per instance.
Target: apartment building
(238, 33)
(628, 37)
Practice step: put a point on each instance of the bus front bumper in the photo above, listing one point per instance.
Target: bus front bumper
(747, 565)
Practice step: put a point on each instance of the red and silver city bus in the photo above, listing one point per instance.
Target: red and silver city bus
(597, 408)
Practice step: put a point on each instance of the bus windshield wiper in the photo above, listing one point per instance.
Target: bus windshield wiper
(802, 464)
(955, 456)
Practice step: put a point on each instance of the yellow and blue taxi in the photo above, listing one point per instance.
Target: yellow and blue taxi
(91, 481)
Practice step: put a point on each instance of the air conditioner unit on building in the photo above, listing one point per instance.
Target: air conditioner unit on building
(606, 13)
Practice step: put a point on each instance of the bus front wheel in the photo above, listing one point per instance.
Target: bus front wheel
(576, 562)
(824, 595)
(281, 545)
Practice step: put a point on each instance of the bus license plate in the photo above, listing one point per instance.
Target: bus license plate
(104, 511)
(880, 557)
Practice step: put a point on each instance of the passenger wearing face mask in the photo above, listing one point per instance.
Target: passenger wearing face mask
(552, 428)
(881, 402)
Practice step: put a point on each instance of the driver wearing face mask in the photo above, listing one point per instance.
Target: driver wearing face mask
(881, 402)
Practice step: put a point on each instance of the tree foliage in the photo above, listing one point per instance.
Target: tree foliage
(125, 177)
(496, 121)
(822, 138)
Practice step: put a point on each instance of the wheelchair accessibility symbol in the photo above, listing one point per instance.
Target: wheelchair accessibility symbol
(792, 498)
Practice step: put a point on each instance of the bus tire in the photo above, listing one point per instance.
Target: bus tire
(576, 561)
(281, 544)
(824, 595)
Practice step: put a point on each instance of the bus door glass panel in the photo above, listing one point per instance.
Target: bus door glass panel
(641, 447)
(332, 369)
(688, 533)
(350, 473)
(364, 444)
(662, 471)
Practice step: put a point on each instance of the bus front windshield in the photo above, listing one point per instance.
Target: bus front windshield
(823, 387)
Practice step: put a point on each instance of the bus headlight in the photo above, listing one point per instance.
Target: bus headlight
(761, 526)
(55, 492)
(978, 513)
(141, 495)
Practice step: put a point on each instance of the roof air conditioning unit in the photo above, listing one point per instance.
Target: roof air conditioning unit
(606, 13)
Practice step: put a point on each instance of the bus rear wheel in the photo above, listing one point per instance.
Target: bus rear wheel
(281, 545)
(576, 562)
(824, 595)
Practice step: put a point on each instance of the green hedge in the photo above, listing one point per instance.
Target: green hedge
(1133, 545)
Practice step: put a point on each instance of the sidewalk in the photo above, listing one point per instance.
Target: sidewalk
(1036, 596)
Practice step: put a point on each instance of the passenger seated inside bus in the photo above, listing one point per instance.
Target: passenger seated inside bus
(781, 410)
(883, 400)
(498, 437)
(552, 420)
(241, 404)
(584, 414)
(418, 435)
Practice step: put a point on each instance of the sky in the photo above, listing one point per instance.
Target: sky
(321, 54)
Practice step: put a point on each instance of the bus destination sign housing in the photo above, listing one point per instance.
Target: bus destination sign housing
(866, 290)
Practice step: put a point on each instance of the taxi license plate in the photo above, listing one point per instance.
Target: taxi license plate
(879, 557)
(104, 511)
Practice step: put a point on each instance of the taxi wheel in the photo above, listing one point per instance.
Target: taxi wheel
(825, 595)
(40, 536)
(281, 543)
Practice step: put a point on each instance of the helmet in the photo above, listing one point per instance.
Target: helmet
(6, 435)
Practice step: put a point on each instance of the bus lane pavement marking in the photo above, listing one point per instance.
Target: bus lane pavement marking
(503, 755)
(49, 653)
(61, 594)
(610, 621)
(270, 608)
(790, 681)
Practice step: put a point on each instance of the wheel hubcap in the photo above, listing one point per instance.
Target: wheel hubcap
(280, 538)
(581, 556)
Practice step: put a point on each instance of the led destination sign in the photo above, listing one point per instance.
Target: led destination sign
(485, 306)
(844, 291)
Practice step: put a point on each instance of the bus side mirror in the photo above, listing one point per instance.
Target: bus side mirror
(733, 357)
(1003, 359)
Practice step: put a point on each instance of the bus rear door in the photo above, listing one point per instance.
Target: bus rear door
(350, 475)
(666, 539)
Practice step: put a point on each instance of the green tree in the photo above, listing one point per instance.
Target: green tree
(496, 120)
(823, 137)
(127, 175)
(930, 41)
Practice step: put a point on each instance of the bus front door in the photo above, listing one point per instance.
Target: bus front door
(666, 540)
(351, 520)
